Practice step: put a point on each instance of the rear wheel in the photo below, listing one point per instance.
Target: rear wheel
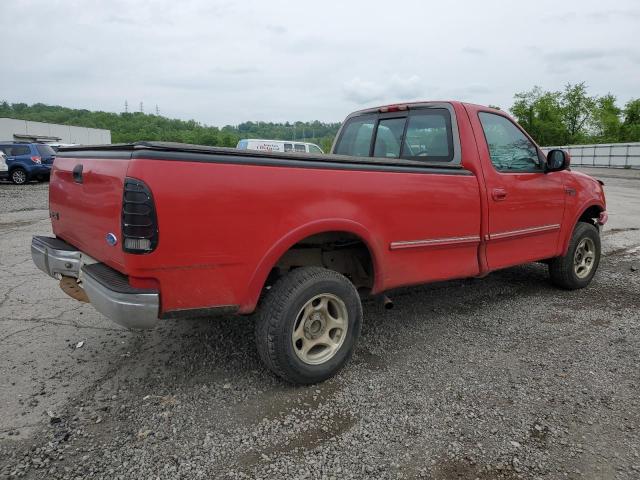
(577, 268)
(308, 324)
(19, 176)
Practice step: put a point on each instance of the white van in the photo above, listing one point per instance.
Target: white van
(277, 146)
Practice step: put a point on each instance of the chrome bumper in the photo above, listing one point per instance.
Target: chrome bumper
(108, 290)
(56, 257)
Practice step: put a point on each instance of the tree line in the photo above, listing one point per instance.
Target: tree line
(572, 116)
(136, 126)
(569, 116)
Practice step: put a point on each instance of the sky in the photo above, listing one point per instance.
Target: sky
(223, 62)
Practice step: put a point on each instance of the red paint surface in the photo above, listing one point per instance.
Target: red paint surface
(223, 227)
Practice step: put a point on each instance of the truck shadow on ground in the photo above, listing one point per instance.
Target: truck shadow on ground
(210, 350)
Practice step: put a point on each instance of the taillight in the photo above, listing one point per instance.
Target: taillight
(139, 220)
(36, 159)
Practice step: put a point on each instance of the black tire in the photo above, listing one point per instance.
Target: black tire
(563, 269)
(281, 309)
(19, 176)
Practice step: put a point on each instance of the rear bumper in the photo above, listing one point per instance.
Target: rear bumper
(108, 290)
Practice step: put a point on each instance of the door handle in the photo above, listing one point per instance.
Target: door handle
(77, 173)
(499, 194)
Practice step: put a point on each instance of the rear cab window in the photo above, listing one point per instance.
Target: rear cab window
(355, 139)
(424, 134)
(389, 138)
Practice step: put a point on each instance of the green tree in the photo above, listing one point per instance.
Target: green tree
(567, 117)
(630, 130)
(577, 111)
(606, 119)
(540, 113)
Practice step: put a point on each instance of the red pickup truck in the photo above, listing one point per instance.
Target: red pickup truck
(412, 193)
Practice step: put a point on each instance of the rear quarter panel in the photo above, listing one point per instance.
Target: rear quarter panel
(222, 227)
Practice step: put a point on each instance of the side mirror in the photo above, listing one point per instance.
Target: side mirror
(558, 160)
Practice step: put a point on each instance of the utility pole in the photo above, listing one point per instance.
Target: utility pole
(126, 107)
(141, 108)
(157, 110)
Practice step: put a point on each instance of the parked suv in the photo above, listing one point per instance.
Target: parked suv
(28, 161)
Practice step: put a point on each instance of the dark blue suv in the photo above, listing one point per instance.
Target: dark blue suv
(28, 161)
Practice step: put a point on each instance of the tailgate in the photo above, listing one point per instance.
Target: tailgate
(85, 204)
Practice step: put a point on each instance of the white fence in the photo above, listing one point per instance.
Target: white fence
(611, 155)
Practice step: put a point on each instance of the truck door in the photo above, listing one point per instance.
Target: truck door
(526, 205)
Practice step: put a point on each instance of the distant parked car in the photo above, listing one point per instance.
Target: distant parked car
(28, 161)
(4, 169)
(278, 146)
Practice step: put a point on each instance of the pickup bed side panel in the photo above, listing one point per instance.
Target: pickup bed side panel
(222, 225)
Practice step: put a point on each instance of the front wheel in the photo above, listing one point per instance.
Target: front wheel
(577, 268)
(308, 324)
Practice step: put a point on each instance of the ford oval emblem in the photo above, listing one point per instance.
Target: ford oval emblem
(111, 239)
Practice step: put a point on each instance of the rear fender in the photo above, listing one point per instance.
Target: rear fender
(270, 259)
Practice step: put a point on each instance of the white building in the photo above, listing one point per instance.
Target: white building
(28, 131)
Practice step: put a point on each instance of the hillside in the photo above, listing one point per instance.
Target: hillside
(130, 127)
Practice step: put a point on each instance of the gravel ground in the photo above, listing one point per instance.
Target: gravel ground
(504, 377)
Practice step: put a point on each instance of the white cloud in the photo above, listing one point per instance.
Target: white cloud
(407, 88)
(362, 91)
(397, 87)
(222, 62)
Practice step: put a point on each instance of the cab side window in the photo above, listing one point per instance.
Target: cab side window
(510, 149)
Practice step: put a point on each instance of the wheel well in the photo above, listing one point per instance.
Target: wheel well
(343, 252)
(590, 215)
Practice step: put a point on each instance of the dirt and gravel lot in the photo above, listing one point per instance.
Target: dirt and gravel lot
(504, 377)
